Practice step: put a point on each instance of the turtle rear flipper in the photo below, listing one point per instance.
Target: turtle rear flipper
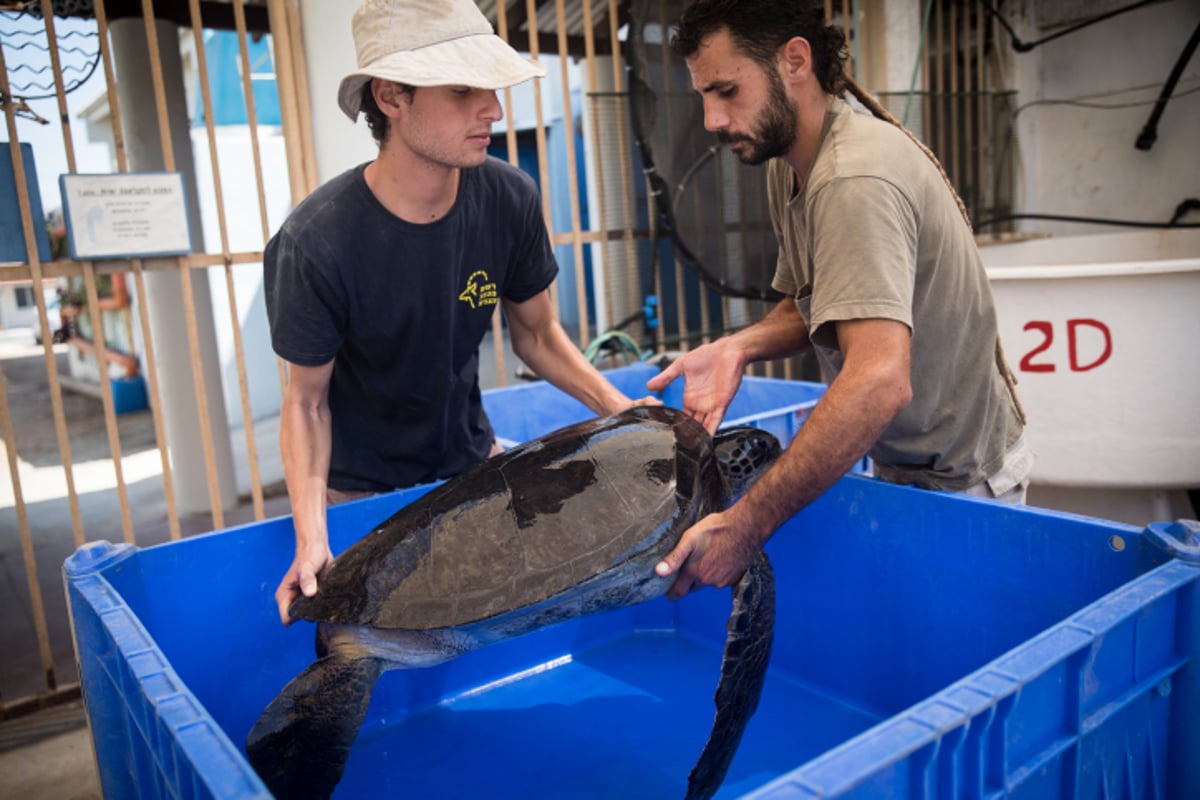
(743, 673)
(300, 744)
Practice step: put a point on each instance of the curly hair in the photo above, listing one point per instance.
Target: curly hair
(760, 27)
(377, 121)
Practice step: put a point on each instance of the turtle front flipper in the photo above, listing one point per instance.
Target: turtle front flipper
(743, 672)
(300, 744)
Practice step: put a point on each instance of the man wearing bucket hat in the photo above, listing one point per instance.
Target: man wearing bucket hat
(381, 284)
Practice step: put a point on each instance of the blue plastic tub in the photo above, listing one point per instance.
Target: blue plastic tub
(526, 411)
(927, 645)
(129, 394)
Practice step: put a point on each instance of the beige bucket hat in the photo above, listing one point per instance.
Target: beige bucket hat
(430, 43)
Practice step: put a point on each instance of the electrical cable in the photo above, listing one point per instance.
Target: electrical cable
(1187, 206)
(1007, 147)
(1025, 47)
(1149, 133)
(1096, 220)
(1100, 106)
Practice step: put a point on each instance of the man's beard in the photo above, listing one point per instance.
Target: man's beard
(773, 131)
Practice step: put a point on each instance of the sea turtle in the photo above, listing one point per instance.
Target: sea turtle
(571, 523)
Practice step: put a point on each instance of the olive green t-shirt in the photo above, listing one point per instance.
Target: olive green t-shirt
(874, 233)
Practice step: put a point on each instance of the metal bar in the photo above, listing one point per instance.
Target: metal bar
(598, 224)
(862, 72)
(164, 125)
(564, 59)
(992, 123)
(970, 98)
(30, 559)
(154, 397)
(847, 30)
(239, 17)
(938, 54)
(925, 56)
(847, 26)
(160, 432)
(627, 189)
(256, 492)
(726, 307)
(64, 268)
(239, 21)
(510, 140)
(681, 314)
(35, 273)
(285, 79)
(540, 132)
(189, 307)
(110, 418)
(954, 146)
(656, 278)
(981, 148)
(303, 108)
(96, 316)
(510, 131)
(38, 702)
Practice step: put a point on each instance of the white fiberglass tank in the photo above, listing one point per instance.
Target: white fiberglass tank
(1103, 333)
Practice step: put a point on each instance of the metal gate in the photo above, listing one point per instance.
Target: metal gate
(136, 410)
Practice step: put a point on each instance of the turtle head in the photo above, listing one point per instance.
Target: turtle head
(743, 454)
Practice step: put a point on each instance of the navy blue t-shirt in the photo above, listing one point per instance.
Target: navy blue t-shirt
(401, 309)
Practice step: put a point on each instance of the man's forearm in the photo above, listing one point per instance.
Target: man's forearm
(305, 444)
(553, 356)
(780, 334)
(870, 392)
(831, 441)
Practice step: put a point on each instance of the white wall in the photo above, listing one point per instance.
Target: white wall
(1076, 160)
(14, 316)
(1081, 161)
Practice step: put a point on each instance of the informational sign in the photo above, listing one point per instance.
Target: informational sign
(125, 215)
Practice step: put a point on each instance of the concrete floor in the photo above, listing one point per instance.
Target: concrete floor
(47, 755)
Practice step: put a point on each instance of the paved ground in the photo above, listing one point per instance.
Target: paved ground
(43, 488)
(47, 755)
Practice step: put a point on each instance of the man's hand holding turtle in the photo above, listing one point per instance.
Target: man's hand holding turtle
(301, 578)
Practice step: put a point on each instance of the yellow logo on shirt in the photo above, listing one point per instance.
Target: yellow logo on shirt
(480, 291)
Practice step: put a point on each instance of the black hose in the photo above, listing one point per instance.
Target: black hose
(1149, 133)
(1025, 47)
(1181, 210)
(1174, 223)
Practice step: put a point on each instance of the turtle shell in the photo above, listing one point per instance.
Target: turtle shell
(526, 525)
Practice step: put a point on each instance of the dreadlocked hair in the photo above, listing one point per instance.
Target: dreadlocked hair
(879, 112)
